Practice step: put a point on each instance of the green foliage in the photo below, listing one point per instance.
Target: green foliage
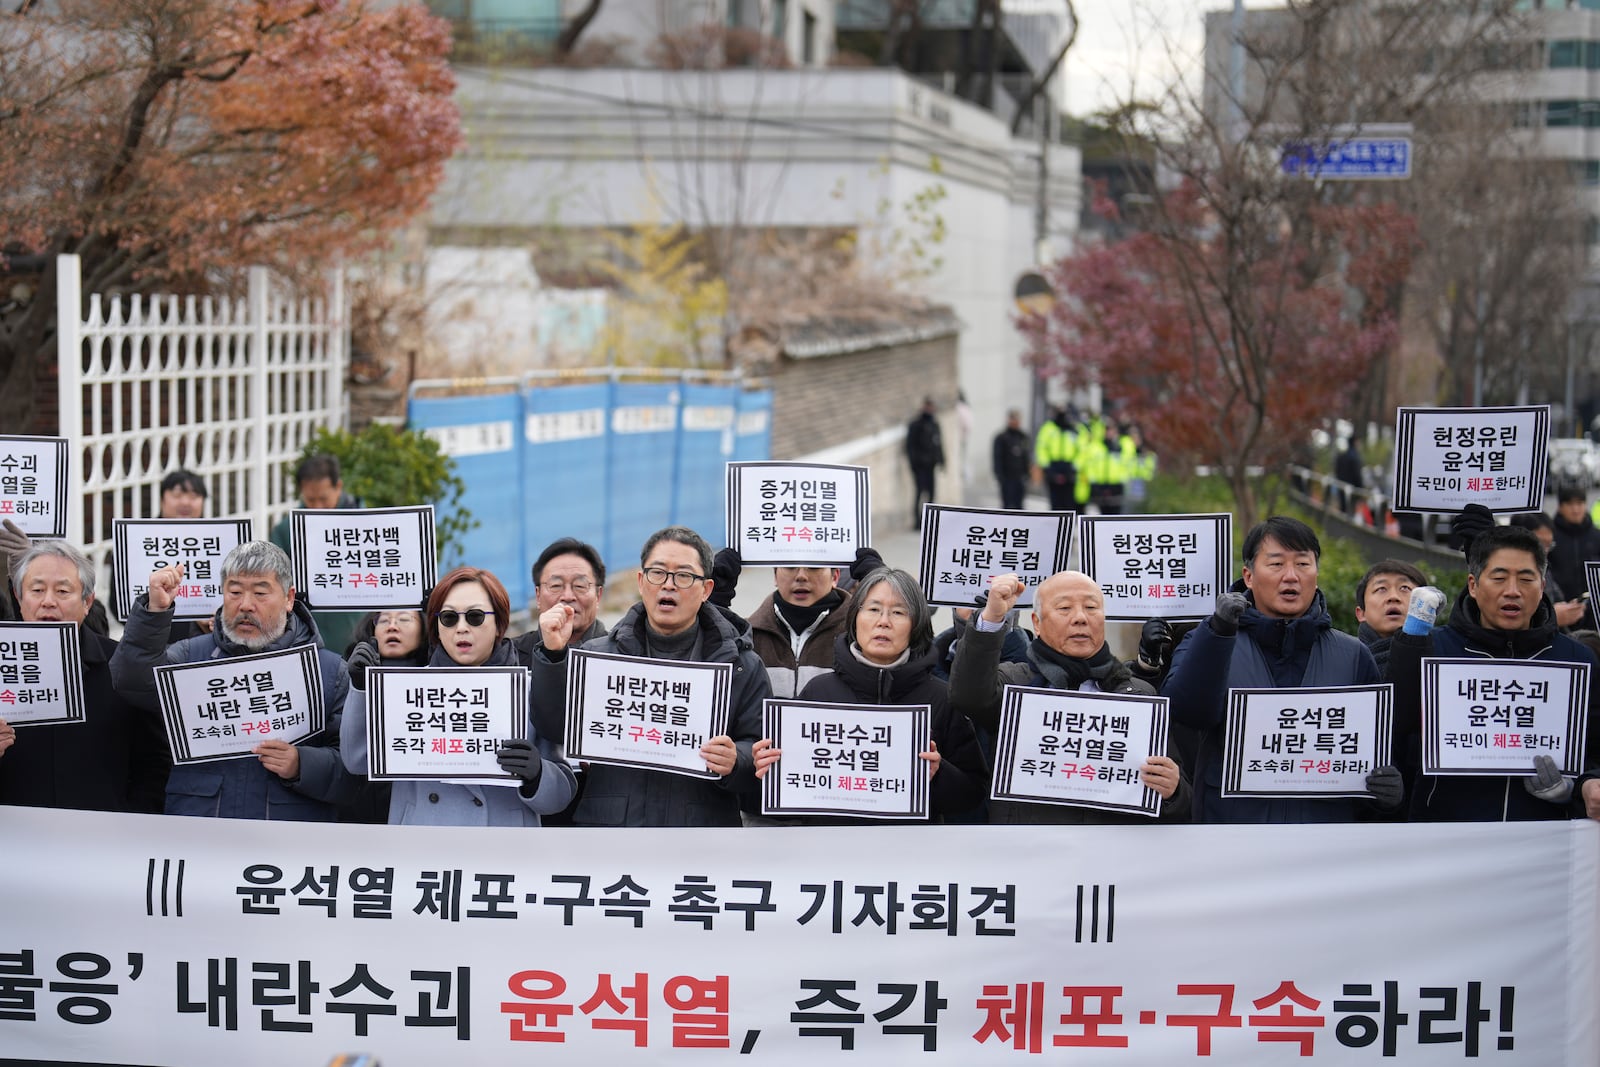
(386, 466)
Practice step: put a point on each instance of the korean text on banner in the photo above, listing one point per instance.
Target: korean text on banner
(1158, 566)
(1078, 749)
(1447, 458)
(653, 714)
(962, 548)
(443, 723)
(1494, 716)
(798, 514)
(33, 484)
(1306, 742)
(41, 673)
(222, 708)
(188, 941)
(370, 559)
(862, 761)
(144, 546)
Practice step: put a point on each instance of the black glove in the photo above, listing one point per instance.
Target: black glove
(867, 561)
(1155, 645)
(725, 570)
(1388, 789)
(1225, 620)
(520, 758)
(1465, 527)
(364, 655)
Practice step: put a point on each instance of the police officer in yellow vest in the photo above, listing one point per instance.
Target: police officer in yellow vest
(1055, 451)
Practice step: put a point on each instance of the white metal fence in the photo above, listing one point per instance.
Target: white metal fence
(231, 389)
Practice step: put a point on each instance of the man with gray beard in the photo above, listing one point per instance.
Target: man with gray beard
(259, 613)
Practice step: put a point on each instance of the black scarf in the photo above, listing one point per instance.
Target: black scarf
(801, 617)
(1066, 672)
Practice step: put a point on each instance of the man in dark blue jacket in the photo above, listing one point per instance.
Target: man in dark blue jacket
(1503, 613)
(1278, 634)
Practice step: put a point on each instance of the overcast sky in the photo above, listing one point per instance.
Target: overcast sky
(1119, 40)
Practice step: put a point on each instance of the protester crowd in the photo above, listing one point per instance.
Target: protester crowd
(857, 636)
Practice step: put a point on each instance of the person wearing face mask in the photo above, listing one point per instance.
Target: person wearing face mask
(1069, 653)
(469, 610)
(885, 656)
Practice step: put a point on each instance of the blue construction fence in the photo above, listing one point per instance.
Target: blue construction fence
(608, 458)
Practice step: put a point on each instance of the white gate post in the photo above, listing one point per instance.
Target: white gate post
(69, 384)
(258, 309)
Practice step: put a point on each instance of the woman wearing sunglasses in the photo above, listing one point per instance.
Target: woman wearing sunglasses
(469, 611)
(885, 656)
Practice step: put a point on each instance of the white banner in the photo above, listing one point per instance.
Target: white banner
(798, 514)
(1079, 749)
(648, 713)
(962, 548)
(1158, 566)
(144, 546)
(1447, 458)
(443, 723)
(364, 559)
(859, 760)
(41, 673)
(1306, 742)
(223, 708)
(33, 484)
(1494, 716)
(177, 942)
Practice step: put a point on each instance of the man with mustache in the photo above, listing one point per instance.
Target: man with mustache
(259, 613)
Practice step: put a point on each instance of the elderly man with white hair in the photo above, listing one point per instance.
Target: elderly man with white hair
(1069, 653)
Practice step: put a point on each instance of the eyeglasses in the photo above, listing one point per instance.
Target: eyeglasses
(579, 586)
(394, 618)
(474, 616)
(681, 579)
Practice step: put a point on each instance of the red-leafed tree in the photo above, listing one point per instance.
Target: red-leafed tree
(170, 143)
(1228, 339)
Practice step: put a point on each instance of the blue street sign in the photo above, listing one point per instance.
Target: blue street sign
(1350, 159)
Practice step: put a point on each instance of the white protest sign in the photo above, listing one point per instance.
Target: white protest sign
(1158, 566)
(33, 484)
(1493, 716)
(144, 546)
(364, 559)
(256, 943)
(222, 708)
(1306, 742)
(443, 723)
(1591, 584)
(1079, 749)
(648, 713)
(847, 759)
(1447, 458)
(798, 514)
(962, 548)
(41, 673)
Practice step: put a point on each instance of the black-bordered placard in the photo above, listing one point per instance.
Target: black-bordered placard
(1591, 584)
(647, 713)
(798, 514)
(1493, 716)
(847, 760)
(364, 559)
(1078, 749)
(33, 484)
(962, 548)
(1158, 566)
(1306, 742)
(144, 546)
(1447, 458)
(443, 723)
(41, 674)
(220, 709)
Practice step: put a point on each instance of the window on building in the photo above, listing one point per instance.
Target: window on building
(1561, 113)
(780, 19)
(1566, 54)
(808, 39)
